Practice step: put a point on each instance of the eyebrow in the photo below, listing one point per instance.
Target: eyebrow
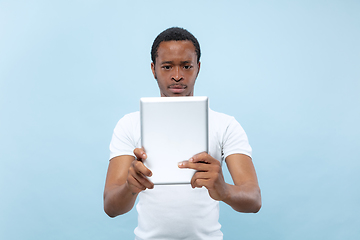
(170, 62)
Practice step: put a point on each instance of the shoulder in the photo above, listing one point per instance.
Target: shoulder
(225, 125)
(130, 118)
(220, 118)
(230, 134)
(126, 135)
(129, 122)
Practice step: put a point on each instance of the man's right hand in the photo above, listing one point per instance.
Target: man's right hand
(126, 177)
(137, 179)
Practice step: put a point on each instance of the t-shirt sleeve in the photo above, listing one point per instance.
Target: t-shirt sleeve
(122, 141)
(235, 140)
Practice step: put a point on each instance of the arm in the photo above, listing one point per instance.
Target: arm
(126, 177)
(243, 196)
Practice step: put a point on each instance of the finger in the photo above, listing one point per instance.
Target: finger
(202, 175)
(183, 164)
(203, 158)
(140, 154)
(144, 182)
(140, 168)
(139, 180)
(198, 166)
(198, 176)
(134, 185)
(200, 182)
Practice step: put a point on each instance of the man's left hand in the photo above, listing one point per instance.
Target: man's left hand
(208, 174)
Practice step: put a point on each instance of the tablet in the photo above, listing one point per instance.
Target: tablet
(173, 129)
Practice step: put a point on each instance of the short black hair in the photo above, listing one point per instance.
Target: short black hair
(174, 34)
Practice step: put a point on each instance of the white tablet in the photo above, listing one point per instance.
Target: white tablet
(173, 129)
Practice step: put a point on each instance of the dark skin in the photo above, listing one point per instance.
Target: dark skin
(176, 70)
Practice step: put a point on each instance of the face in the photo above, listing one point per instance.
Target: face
(176, 68)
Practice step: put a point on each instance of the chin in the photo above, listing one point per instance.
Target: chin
(171, 94)
(180, 95)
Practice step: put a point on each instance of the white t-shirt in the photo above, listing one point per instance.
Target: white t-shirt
(179, 211)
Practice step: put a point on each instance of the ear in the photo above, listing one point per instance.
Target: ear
(198, 68)
(153, 69)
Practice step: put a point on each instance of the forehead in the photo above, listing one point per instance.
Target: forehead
(176, 50)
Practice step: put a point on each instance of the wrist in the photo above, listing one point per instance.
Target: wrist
(227, 193)
(129, 189)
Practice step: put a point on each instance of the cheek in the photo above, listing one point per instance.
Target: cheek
(161, 84)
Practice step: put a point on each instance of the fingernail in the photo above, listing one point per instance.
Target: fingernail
(191, 160)
(180, 164)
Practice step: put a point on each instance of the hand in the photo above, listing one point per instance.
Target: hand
(137, 180)
(208, 174)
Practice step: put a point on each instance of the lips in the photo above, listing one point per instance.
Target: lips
(177, 88)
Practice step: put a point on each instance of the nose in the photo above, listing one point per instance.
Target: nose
(177, 75)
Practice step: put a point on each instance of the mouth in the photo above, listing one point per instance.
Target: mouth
(177, 88)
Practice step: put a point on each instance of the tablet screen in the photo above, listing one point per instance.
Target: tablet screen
(173, 129)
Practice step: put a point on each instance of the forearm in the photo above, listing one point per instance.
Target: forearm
(244, 198)
(118, 200)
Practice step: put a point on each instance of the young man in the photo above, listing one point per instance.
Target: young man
(180, 211)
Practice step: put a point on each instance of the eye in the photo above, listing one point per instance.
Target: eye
(187, 66)
(166, 67)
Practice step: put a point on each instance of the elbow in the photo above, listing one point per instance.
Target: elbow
(115, 205)
(113, 210)
(257, 206)
(108, 211)
(253, 203)
(108, 208)
(253, 206)
(110, 215)
(257, 203)
(250, 205)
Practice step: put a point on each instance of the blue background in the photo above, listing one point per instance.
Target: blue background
(289, 71)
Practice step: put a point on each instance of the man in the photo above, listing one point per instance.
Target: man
(180, 211)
